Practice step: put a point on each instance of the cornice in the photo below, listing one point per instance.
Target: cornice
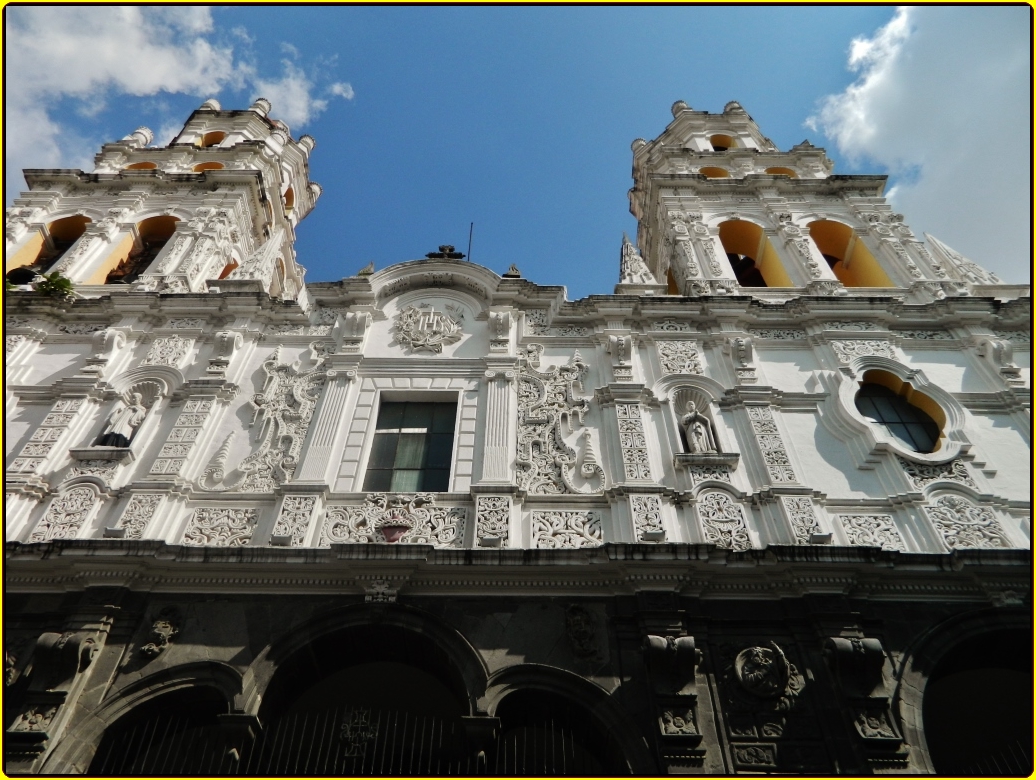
(700, 571)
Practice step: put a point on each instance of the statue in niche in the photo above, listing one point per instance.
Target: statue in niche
(698, 430)
(123, 422)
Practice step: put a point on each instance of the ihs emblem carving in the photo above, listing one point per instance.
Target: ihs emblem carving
(423, 328)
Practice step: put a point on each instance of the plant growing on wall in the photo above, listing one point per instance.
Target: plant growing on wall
(54, 285)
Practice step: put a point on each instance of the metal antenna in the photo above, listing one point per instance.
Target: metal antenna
(471, 230)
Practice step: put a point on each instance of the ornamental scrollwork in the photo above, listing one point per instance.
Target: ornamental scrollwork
(548, 409)
(285, 406)
(492, 520)
(724, 521)
(394, 519)
(566, 529)
(138, 514)
(167, 351)
(221, 527)
(65, 515)
(922, 474)
(647, 518)
(803, 520)
(872, 531)
(679, 357)
(847, 350)
(293, 521)
(966, 525)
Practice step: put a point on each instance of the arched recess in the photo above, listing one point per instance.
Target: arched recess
(964, 694)
(781, 171)
(398, 685)
(39, 253)
(714, 172)
(848, 256)
(145, 165)
(721, 142)
(134, 253)
(752, 256)
(619, 744)
(212, 138)
(466, 673)
(211, 680)
(212, 165)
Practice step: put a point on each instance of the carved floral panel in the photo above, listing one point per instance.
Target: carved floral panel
(566, 529)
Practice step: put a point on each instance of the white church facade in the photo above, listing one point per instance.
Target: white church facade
(746, 514)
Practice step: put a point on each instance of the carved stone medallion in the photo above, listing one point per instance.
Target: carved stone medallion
(424, 329)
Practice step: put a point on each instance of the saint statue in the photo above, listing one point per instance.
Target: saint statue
(123, 422)
(698, 430)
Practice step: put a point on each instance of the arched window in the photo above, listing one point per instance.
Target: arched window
(141, 166)
(911, 418)
(289, 201)
(710, 172)
(208, 166)
(847, 255)
(752, 256)
(778, 171)
(213, 138)
(40, 253)
(721, 142)
(128, 260)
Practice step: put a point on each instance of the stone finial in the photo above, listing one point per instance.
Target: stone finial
(315, 190)
(513, 272)
(210, 105)
(142, 136)
(308, 143)
(638, 143)
(261, 106)
(733, 107)
(678, 107)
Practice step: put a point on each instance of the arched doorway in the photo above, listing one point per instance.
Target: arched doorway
(977, 707)
(368, 700)
(174, 734)
(542, 733)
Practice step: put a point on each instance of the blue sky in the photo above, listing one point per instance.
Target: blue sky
(520, 119)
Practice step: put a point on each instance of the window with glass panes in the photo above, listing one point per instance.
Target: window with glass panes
(413, 447)
(910, 425)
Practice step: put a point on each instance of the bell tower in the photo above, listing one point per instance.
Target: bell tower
(216, 207)
(722, 210)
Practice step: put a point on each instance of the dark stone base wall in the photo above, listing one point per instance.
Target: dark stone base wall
(673, 682)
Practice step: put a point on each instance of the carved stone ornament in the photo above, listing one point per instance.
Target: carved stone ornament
(723, 520)
(167, 351)
(164, 628)
(966, 525)
(65, 515)
(799, 510)
(632, 268)
(636, 464)
(581, 631)
(293, 521)
(763, 671)
(35, 718)
(679, 357)
(221, 527)
(548, 409)
(922, 474)
(138, 514)
(872, 531)
(678, 723)
(672, 661)
(123, 422)
(847, 350)
(285, 405)
(647, 518)
(566, 529)
(391, 519)
(424, 329)
(492, 519)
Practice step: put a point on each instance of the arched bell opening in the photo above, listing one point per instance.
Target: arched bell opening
(988, 677)
(176, 734)
(752, 257)
(544, 733)
(847, 255)
(212, 138)
(129, 259)
(721, 142)
(40, 253)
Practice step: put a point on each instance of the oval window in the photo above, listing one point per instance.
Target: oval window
(908, 424)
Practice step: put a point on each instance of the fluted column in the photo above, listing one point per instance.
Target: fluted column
(496, 460)
(313, 467)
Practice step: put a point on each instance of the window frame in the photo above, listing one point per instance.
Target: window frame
(408, 396)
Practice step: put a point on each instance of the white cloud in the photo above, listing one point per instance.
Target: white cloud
(341, 89)
(90, 54)
(943, 101)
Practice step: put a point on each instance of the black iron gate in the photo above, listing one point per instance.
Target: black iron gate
(354, 741)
